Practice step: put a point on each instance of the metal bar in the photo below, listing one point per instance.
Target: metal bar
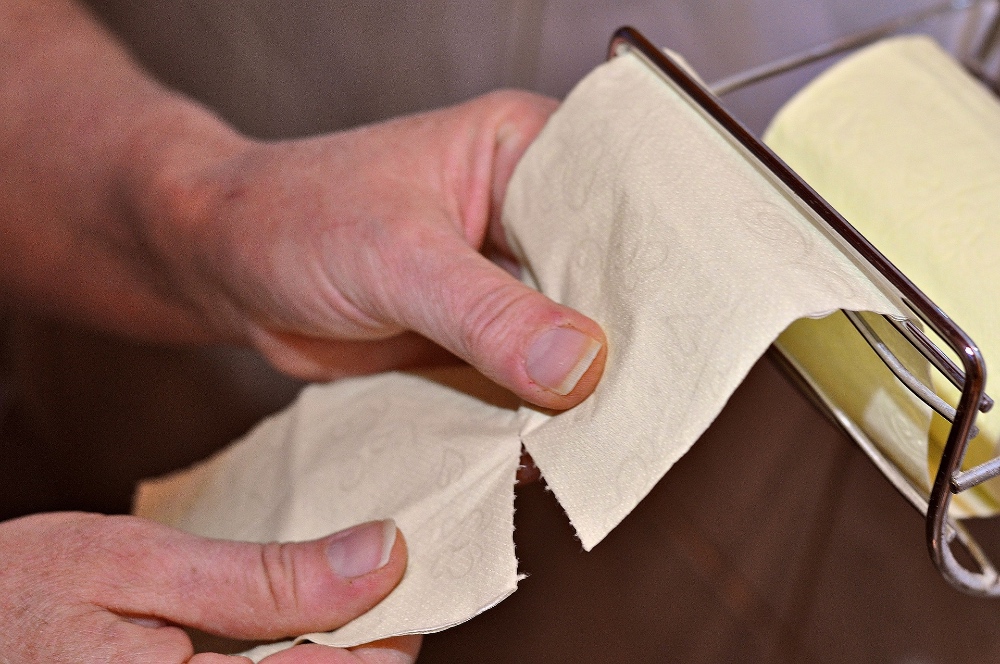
(903, 484)
(936, 356)
(923, 392)
(965, 480)
(990, 41)
(961, 480)
(629, 38)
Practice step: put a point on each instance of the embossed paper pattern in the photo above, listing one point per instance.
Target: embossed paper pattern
(425, 452)
(631, 208)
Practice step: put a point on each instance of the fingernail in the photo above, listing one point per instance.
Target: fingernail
(559, 357)
(361, 549)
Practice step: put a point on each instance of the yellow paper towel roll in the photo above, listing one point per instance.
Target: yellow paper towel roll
(906, 145)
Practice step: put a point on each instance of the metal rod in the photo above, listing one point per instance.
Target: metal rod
(936, 356)
(990, 40)
(923, 392)
(832, 48)
(961, 480)
(965, 480)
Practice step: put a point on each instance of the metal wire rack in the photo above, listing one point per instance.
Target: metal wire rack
(942, 531)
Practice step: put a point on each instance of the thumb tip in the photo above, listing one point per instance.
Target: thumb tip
(564, 364)
(363, 549)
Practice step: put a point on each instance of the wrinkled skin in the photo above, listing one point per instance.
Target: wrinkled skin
(352, 252)
(80, 588)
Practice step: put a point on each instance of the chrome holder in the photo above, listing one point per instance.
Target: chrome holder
(970, 378)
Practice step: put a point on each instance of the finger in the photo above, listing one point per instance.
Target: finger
(123, 640)
(548, 354)
(515, 132)
(398, 650)
(544, 352)
(212, 658)
(320, 359)
(105, 637)
(248, 591)
(527, 471)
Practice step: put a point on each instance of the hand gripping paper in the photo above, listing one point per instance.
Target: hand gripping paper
(628, 206)
(433, 452)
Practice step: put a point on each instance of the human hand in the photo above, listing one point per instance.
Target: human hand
(324, 253)
(88, 588)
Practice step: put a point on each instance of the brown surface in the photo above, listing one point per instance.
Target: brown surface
(90, 415)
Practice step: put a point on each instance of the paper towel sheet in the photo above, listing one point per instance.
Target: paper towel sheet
(631, 208)
(420, 449)
(905, 143)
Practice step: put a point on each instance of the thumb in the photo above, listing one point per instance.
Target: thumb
(548, 354)
(260, 591)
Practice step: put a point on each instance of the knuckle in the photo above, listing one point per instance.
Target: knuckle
(493, 321)
(279, 578)
(113, 543)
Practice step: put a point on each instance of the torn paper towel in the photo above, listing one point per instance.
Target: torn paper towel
(905, 143)
(437, 453)
(633, 209)
(630, 207)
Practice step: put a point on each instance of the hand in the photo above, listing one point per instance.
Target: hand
(326, 252)
(87, 588)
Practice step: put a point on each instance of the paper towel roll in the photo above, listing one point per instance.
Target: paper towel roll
(906, 145)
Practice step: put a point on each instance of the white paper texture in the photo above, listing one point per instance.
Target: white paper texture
(437, 460)
(655, 226)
